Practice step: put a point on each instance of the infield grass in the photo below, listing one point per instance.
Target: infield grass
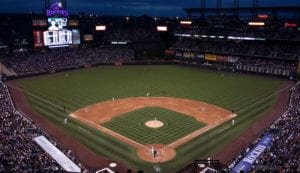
(132, 125)
(249, 96)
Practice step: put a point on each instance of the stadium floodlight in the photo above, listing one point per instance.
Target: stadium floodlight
(186, 35)
(162, 28)
(100, 27)
(256, 23)
(186, 22)
(183, 35)
(119, 42)
(260, 39)
(263, 16)
(247, 38)
(233, 38)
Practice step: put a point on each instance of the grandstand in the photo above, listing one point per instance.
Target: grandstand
(219, 40)
(284, 134)
(19, 152)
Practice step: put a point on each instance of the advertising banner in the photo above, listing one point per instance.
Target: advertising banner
(88, 37)
(178, 54)
(56, 154)
(73, 22)
(233, 59)
(39, 22)
(246, 163)
(169, 52)
(222, 58)
(75, 36)
(211, 57)
(38, 39)
(200, 56)
(188, 55)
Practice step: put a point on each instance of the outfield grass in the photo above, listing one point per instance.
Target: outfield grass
(249, 96)
(132, 125)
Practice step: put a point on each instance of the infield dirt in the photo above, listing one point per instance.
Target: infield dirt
(99, 113)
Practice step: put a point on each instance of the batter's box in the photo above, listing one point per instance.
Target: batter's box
(207, 166)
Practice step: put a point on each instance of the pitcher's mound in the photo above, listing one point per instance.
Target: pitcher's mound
(154, 124)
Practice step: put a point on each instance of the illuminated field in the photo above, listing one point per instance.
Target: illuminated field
(249, 96)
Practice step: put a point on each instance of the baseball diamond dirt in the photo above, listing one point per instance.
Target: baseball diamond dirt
(94, 162)
(97, 114)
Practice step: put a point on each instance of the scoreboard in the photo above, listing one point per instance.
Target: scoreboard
(59, 37)
(55, 30)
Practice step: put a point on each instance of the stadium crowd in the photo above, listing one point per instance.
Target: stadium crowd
(249, 48)
(18, 151)
(283, 154)
(267, 63)
(55, 59)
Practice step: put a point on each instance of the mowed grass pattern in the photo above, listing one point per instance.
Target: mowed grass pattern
(249, 96)
(85, 87)
(132, 125)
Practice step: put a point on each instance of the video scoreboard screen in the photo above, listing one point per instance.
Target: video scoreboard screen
(58, 35)
(57, 23)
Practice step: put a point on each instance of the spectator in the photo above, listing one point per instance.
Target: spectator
(18, 151)
(283, 154)
(27, 63)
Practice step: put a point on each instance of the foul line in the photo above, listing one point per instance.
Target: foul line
(265, 97)
(199, 132)
(38, 97)
(84, 130)
(110, 132)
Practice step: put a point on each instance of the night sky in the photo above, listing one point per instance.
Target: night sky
(166, 8)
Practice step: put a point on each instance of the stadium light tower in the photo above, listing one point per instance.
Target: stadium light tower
(236, 5)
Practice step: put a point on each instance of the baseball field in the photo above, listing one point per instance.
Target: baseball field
(124, 113)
